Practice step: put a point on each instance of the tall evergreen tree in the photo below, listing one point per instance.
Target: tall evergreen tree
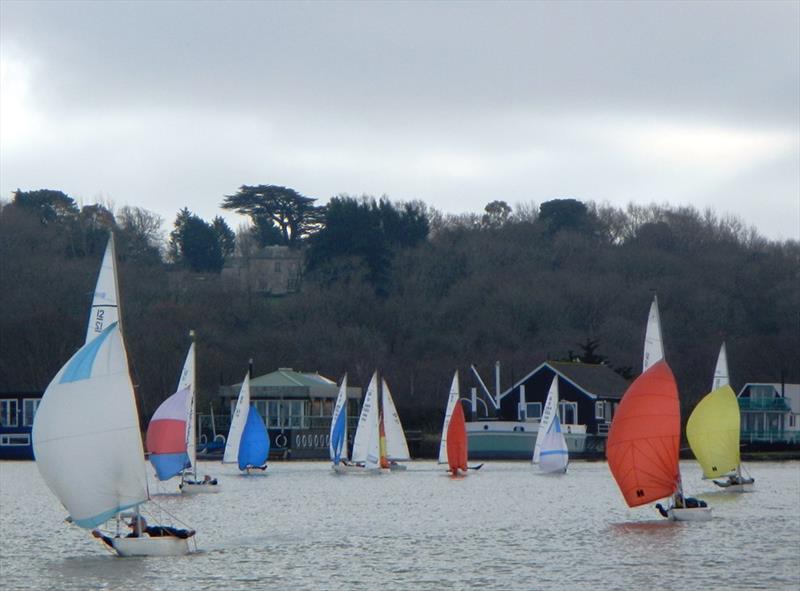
(195, 244)
(280, 214)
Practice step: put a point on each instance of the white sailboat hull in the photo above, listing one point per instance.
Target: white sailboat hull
(146, 546)
(693, 514)
(200, 488)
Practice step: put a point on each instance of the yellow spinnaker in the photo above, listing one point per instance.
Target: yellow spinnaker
(713, 432)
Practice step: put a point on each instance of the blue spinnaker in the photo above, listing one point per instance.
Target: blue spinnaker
(338, 437)
(254, 447)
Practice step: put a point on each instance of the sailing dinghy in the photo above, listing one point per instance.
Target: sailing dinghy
(338, 435)
(457, 442)
(365, 458)
(86, 436)
(394, 447)
(550, 451)
(713, 432)
(459, 431)
(643, 445)
(171, 435)
(248, 441)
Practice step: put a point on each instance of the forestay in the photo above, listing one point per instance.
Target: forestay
(86, 434)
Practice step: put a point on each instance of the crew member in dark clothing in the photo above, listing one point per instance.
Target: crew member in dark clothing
(155, 531)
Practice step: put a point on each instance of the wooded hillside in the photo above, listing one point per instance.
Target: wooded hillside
(418, 295)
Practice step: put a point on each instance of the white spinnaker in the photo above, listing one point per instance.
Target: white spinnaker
(238, 421)
(366, 443)
(721, 370)
(396, 445)
(86, 435)
(452, 400)
(104, 311)
(187, 380)
(549, 412)
(340, 407)
(653, 344)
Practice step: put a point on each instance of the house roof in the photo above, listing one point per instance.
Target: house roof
(287, 377)
(287, 383)
(596, 381)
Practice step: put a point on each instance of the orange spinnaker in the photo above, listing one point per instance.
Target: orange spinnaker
(457, 441)
(644, 439)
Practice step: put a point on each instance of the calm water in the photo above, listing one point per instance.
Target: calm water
(504, 527)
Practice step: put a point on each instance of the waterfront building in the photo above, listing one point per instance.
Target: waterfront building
(770, 413)
(16, 421)
(297, 408)
(588, 393)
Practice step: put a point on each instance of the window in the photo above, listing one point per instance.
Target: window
(568, 412)
(277, 266)
(15, 439)
(272, 413)
(791, 420)
(8, 412)
(261, 407)
(600, 410)
(534, 410)
(29, 406)
(762, 392)
(297, 413)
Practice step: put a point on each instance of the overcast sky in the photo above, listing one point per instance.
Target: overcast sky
(163, 105)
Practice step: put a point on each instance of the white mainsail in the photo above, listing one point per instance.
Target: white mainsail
(86, 435)
(550, 451)
(653, 344)
(549, 412)
(104, 311)
(338, 409)
(366, 444)
(452, 400)
(721, 370)
(238, 421)
(396, 445)
(187, 380)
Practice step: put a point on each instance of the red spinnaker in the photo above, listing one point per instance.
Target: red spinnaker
(644, 438)
(457, 440)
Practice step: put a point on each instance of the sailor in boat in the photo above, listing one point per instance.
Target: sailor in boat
(206, 480)
(251, 467)
(681, 502)
(734, 480)
(140, 527)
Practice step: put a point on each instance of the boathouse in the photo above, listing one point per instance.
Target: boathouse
(588, 396)
(297, 408)
(17, 410)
